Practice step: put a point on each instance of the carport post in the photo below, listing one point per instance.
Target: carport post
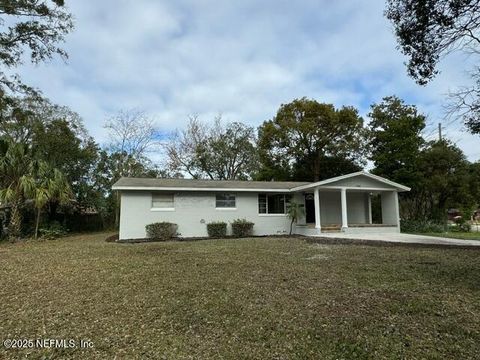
(397, 208)
(344, 209)
(369, 207)
(316, 201)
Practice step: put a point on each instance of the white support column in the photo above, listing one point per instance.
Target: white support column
(397, 208)
(369, 208)
(316, 200)
(344, 208)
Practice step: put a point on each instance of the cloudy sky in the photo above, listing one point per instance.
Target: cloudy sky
(239, 58)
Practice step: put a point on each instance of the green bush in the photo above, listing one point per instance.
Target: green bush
(217, 229)
(161, 231)
(242, 228)
(461, 225)
(422, 226)
(52, 231)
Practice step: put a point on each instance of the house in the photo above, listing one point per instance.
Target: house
(342, 203)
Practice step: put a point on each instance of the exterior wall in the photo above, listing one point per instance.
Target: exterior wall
(390, 208)
(193, 207)
(356, 208)
(331, 208)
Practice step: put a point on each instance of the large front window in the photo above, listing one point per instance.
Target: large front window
(273, 204)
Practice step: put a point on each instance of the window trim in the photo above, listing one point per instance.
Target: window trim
(226, 208)
(152, 208)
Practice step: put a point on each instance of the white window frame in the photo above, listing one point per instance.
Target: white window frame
(171, 208)
(222, 208)
(285, 196)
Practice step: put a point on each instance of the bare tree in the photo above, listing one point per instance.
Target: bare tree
(132, 132)
(132, 135)
(465, 103)
(182, 147)
(217, 152)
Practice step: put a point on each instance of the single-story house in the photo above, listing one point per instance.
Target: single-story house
(342, 203)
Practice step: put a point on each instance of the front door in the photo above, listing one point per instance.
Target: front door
(309, 209)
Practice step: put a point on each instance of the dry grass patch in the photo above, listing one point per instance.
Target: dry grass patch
(261, 298)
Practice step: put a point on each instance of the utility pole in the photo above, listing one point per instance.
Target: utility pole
(440, 131)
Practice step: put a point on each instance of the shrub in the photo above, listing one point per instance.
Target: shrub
(461, 225)
(217, 229)
(52, 231)
(242, 228)
(161, 231)
(422, 226)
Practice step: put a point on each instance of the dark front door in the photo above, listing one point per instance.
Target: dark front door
(309, 209)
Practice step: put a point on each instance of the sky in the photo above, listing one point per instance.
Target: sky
(242, 59)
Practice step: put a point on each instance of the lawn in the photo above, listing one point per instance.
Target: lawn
(262, 298)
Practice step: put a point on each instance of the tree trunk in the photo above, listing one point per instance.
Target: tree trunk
(15, 224)
(316, 168)
(291, 226)
(37, 222)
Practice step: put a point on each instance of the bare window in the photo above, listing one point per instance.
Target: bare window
(162, 201)
(273, 204)
(225, 201)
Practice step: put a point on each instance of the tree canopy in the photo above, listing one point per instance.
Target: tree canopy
(445, 181)
(33, 29)
(309, 133)
(430, 29)
(396, 140)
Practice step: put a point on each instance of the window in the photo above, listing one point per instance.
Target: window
(262, 203)
(273, 204)
(223, 201)
(162, 201)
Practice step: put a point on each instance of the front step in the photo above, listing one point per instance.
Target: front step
(331, 228)
(326, 228)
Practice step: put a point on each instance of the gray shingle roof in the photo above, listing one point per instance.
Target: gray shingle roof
(145, 183)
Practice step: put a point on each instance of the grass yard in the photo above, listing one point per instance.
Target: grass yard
(263, 298)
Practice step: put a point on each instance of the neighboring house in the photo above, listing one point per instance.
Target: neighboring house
(342, 203)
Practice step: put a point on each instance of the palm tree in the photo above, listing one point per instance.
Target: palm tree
(51, 185)
(294, 212)
(15, 168)
(22, 177)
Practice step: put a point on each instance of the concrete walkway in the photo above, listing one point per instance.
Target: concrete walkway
(402, 238)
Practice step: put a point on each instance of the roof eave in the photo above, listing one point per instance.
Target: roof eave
(173, 188)
(397, 186)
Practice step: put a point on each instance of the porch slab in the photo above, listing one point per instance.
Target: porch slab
(401, 238)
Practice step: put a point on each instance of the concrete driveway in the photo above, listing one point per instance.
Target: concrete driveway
(402, 238)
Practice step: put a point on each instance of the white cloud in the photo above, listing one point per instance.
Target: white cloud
(242, 59)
